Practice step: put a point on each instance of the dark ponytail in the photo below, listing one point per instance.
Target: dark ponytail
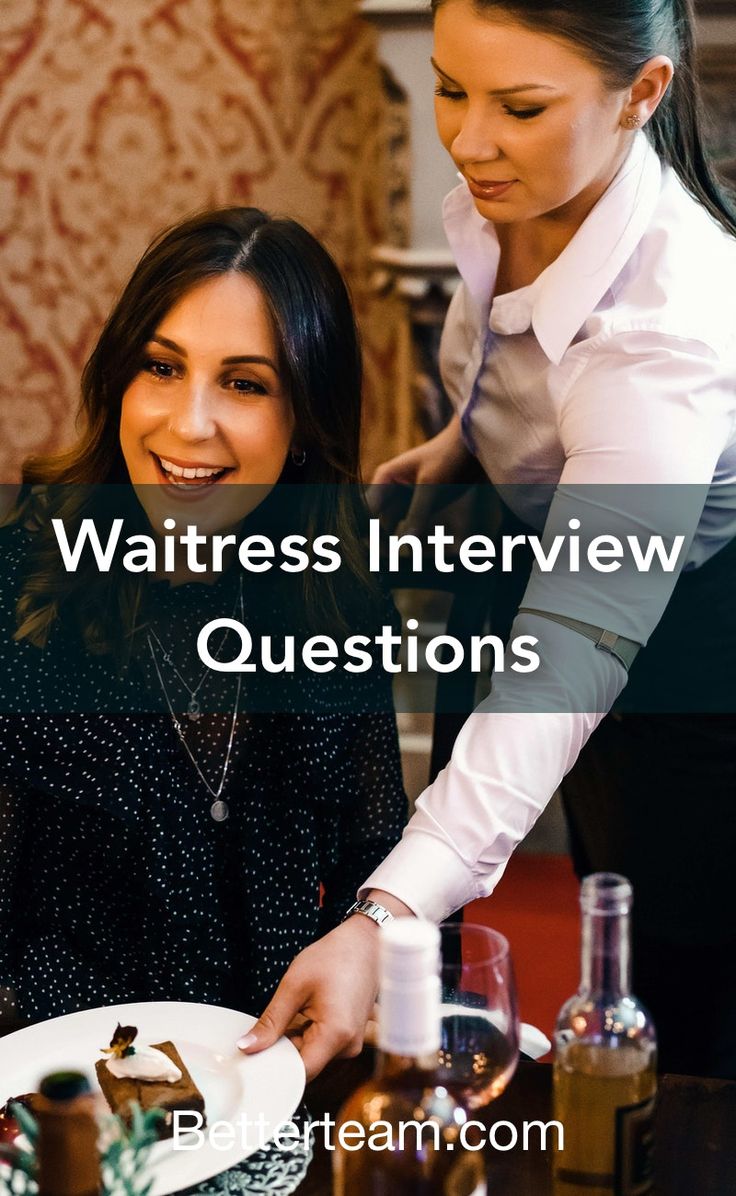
(620, 36)
(675, 130)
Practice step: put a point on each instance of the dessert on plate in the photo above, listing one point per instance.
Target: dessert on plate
(155, 1076)
(9, 1128)
(28, 1100)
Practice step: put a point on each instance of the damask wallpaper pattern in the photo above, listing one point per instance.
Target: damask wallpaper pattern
(120, 116)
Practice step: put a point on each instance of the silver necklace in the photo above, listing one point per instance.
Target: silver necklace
(219, 809)
(194, 710)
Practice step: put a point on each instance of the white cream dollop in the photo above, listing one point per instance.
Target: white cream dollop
(146, 1064)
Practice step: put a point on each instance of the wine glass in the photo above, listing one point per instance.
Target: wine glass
(480, 1020)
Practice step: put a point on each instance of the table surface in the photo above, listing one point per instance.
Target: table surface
(695, 1131)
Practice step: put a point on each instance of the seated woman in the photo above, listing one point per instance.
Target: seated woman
(165, 829)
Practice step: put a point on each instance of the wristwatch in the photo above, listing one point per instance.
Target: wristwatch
(377, 913)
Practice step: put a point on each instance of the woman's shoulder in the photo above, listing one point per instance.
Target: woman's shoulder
(18, 677)
(15, 542)
(684, 231)
(14, 536)
(682, 277)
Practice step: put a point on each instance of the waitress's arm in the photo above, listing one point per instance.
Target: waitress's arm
(508, 760)
(643, 426)
(648, 409)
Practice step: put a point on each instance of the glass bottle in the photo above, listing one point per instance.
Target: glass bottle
(409, 1126)
(67, 1155)
(605, 1058)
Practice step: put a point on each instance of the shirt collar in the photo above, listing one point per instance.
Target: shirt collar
(559, 301)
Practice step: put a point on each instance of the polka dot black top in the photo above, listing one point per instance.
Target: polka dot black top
(116, 881)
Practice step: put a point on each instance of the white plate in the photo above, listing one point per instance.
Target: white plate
(533, 1042)
(233, 1085)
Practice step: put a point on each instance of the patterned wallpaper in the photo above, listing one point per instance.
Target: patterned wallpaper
(120, 116)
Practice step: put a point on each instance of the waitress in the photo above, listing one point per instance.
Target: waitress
(592, 341)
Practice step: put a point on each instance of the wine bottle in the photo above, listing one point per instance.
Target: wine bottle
(605, 1058)
(410, 1128)
(68, 1160)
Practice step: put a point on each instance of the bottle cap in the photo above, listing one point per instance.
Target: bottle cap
(64, 1085)
(410, 950)
(410, 993)
(606, 893)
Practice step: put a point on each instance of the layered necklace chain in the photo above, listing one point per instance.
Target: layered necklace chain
(219, 809)
(194, 709)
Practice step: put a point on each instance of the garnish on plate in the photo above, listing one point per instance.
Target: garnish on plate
(121, 1043)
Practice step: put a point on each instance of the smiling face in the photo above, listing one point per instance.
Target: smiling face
(206, 424)
(528, 120)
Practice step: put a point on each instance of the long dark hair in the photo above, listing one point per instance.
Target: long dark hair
(620, 36)
(320, 364)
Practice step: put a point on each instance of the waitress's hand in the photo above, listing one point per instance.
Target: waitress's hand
(433, 469)
(326, 998)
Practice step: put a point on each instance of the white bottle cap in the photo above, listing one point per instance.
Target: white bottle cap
(409, 1003)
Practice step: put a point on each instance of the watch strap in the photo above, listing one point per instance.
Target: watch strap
(370, 909)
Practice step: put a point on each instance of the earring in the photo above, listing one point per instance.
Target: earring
(298, 457)
(632, 121)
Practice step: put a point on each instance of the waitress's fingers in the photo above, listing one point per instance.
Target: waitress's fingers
(326, 1040)
(276, 1018)
(297, 1027)
(427, 501)
(389, 501)
(400, 470)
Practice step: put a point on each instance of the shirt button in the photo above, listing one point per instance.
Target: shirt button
(510, 319)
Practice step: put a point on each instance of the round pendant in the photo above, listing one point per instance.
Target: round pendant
(219, 810)
(193, 710)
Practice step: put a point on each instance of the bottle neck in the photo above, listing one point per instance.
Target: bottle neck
(389, 1064)
(606, 954)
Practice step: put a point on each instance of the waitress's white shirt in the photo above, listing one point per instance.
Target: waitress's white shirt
(616, 367)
